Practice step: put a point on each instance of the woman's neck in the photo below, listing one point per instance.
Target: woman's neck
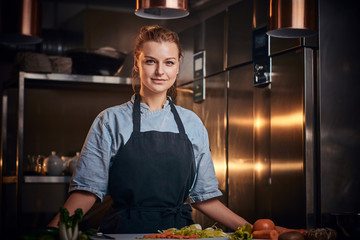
(155, 102)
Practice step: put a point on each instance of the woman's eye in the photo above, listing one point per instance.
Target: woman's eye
(149, 61)
(170, 63)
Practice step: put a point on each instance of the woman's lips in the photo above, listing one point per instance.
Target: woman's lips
(158, 80)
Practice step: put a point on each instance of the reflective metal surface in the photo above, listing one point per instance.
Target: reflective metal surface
(292, 18)
(339, 108)
(288, 193)
(215, 123)
(214, 44)
(239, 30)
(162, 9)
(241, 142)
(20, 22)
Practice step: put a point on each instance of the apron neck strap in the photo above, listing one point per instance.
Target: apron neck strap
(136, 115)
(177, 117)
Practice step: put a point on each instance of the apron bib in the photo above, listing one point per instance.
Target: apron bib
(150, 179)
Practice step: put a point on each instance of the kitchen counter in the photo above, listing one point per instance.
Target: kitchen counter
(139, 236)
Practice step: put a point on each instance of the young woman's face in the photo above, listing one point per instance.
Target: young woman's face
(158, 66)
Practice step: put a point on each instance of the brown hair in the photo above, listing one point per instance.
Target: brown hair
(159, 34)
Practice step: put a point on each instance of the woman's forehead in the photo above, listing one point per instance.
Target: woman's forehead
(160, 49)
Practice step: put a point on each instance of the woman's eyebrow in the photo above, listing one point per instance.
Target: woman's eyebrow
(165, 58)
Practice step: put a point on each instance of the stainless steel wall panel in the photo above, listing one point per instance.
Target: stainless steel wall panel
(260, 17)
(239, 43)
(240, 142)
(310, 131)
(287, 140)
(214, 44)
(212, 112)
(262, 161)
(339, 108)
(186, 73)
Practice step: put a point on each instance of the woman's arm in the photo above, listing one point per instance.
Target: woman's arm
(77, 199)
(217, 211)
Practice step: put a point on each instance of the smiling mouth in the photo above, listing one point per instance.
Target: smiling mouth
(158, 79)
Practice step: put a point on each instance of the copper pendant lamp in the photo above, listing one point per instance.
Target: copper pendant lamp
(292, 18)
(20, 22)
(162, 9)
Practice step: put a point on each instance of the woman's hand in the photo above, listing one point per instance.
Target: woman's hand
(217, 211)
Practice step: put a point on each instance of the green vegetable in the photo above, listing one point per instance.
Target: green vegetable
(241, 233)
(69, 226)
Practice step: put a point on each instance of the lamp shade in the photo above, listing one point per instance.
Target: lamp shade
(161, 9)
(292, 18)
(20, 22)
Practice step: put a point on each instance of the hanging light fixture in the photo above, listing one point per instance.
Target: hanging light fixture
(20, 22)
(161, 9)
(292, 18)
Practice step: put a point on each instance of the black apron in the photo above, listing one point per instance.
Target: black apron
(150, 179)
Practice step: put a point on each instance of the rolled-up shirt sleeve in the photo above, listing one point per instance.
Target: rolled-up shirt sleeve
(92, 169)
(206, 184)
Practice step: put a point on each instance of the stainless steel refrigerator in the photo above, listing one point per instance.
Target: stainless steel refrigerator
(261, 136)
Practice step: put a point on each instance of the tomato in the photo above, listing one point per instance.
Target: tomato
(263, 224)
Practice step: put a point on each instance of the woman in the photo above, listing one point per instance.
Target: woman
(150, 156)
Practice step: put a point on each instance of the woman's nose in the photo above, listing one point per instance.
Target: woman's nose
(159, 70)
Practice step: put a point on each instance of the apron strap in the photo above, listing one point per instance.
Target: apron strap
(136, 114)
(177, 117)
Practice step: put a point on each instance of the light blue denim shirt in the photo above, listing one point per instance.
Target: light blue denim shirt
(112, 129)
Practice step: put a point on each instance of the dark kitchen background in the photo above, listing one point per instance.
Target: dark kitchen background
(288, 150)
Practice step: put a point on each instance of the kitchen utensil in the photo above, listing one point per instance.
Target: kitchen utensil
(53, 165)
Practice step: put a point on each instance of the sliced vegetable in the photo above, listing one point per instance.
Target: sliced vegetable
(242, 233)
(193, 231)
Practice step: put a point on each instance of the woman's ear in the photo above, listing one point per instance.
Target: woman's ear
(136, 67)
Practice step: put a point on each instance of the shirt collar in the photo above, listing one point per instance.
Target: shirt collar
(145, 107)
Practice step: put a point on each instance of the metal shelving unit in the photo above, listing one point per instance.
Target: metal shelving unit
(24, 80)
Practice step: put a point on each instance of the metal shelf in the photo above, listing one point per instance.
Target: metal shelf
(14, 89)
(47, 179)
(9, 179)
(76, 78)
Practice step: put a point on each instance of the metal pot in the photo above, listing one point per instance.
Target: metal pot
(103, 61)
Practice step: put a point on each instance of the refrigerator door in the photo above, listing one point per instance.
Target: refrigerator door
(212, 112)
(287, 138)
(268, 137)
(240, 142)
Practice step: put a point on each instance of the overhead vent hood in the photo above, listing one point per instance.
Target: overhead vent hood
(20, 22)
(162, 9)
(292, 18)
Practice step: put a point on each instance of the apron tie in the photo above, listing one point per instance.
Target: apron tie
(183, 211)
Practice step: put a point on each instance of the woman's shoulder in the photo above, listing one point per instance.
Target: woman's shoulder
(187, 113)
(117, 111)
(190, 118)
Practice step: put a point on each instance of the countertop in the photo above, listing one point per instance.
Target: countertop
(139, 236)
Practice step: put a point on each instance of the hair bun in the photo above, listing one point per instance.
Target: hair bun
(149, 28)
